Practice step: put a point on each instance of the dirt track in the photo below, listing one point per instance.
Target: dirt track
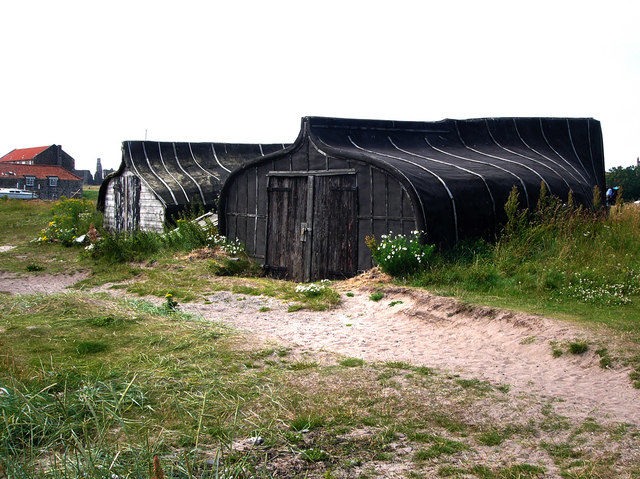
(38, 284)
(475, 342)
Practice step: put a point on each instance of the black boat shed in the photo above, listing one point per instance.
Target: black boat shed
(304, 212)
(156, 181)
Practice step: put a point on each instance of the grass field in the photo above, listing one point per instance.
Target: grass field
(90, 192)
(93, 385)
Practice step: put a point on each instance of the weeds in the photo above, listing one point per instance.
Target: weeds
(377, 296)
(170, 305)
(71, 218)
(307, 423)
(578, 347)
(400, 255)
(441, 446)
(34, 267)
(187, 236)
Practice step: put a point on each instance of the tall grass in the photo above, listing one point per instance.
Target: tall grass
(140, 245)
(557, 252)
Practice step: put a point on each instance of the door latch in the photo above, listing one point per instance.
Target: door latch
(304, 229)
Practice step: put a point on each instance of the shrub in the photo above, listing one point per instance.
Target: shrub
(313, 289)
(231, 247)
(516, 219)
(187, 236)
(125, 247)
(70, 219)
(400, 255)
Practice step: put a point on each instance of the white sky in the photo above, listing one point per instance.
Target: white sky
(89, 75)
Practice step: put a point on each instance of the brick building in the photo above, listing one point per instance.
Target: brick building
(48, 182)
(46, 170)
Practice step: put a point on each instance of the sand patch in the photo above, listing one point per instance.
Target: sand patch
(423, 329)
(38, 284)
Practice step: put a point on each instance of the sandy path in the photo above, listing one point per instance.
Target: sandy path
(500, 346)
(38, 283)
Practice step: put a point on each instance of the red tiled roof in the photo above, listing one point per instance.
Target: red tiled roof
(24, 154)
(9, 170)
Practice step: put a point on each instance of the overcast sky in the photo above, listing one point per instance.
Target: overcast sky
(89, 75)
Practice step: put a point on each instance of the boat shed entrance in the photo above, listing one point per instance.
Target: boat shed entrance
(312, 224)
(304, 212)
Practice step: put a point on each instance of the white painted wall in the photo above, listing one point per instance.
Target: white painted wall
(152, 214)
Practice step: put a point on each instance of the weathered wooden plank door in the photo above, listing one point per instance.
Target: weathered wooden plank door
(133, 200)
(119, 203)
(335, 241)
(287, 227)
(126, 198)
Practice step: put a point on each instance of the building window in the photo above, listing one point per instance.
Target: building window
(30, 180)
(53, 181)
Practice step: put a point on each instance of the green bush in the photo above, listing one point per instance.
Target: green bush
(188, 235)
(124, 247)
(400, 255)
(70, 219)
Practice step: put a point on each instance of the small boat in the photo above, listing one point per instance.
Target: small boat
(16, 193)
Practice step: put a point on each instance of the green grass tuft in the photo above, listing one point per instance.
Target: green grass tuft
(91, 347)
(307, 422)
(377, 296)
(441, 446)
(351, 362)
(578, 347)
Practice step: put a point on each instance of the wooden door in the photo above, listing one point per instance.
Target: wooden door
(119, 203)
(126, 198)
(335, 240)
(287, 227)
